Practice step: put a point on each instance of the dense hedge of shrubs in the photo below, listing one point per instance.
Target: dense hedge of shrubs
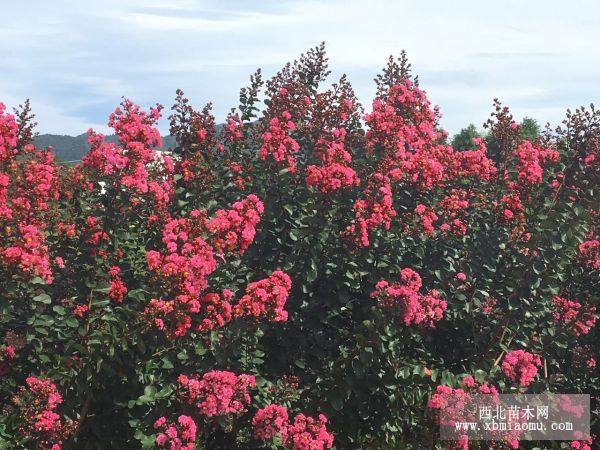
(306, 276)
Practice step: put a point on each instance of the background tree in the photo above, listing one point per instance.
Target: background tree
(464, 139)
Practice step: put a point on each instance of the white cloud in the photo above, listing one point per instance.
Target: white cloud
(76, 59)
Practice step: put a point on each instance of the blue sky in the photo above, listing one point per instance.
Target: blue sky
(75, 59)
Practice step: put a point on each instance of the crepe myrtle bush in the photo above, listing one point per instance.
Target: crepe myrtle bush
(306, 275)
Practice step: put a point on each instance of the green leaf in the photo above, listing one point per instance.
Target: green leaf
(42, 298)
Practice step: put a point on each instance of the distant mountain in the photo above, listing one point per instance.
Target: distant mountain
(73, 148)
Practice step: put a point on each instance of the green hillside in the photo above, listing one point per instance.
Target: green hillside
(72, 148)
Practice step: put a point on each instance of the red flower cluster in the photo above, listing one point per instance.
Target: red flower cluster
(36, 406)
(335, 172)
(521, 366)
(176, 436)
(303, 433)
(234, 229)
(217, 393)
(582, 444)
(580, 319)
(404, 301)
(590, 253)
(266, 298)
(7, 354)
(118, 289)
(511, 208)
(278, 144)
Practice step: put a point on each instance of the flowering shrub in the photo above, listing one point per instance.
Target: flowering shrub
(304, 276)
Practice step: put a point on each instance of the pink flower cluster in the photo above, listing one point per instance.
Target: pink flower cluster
(266, 298)
(446, 397)
(580, 319)
(180, 435)
(402, 117)
(404, 130)
(521, 367)
(234, 229)
(8, 134)
(41, 181)
(233, 129)
(278, 144)
(271, 421)
(372, 211)
(335, 172)
(215, 310)
(404, 301)
(307, 433)
(217, 393)
(36, 405)
(30, 254)
(303, 433)
(188, 260)
(427, 217)
(453, 207)
(404, 138)
(530, 159)
(474, 163)
(28, 183)
(130, 164)
(5, 210)
(183, 269)
(175, 318)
